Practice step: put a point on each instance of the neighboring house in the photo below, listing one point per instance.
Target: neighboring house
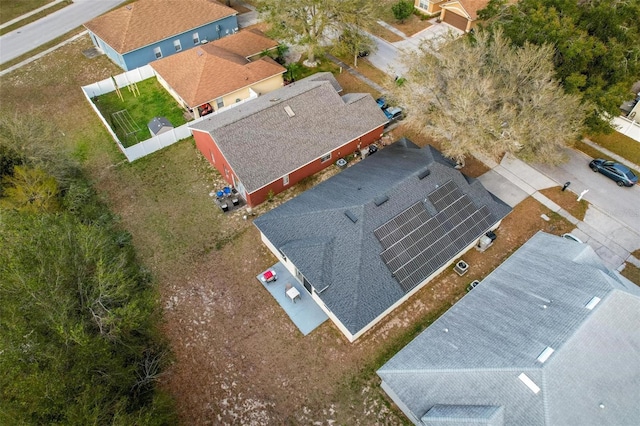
(550, 337)
(219, 73)
(367, 239)
(268, 144)
(429, 7)
(146, 30)
(462, 14)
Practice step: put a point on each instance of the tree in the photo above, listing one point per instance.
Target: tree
(311, 23)
(355, 43)
(596, 46)
(30, 189)
(483, 95)
(402, 10)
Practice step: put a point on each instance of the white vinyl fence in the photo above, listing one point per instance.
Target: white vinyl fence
(627, 127)
(154, 143)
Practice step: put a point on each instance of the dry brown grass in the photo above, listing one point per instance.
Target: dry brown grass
(567, 200)
(385, 34)
(473, 167)
(412, 25)
(632, 273)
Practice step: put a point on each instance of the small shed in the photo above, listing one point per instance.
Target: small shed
(159, 125)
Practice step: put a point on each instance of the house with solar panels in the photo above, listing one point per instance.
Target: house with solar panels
(550, 337)
(364, 241)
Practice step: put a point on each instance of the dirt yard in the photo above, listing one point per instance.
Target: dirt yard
(238, 359)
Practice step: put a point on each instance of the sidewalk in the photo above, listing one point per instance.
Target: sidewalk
(357, 74)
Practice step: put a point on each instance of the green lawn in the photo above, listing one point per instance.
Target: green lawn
(153, 101)
(620, 144)
(11, 9)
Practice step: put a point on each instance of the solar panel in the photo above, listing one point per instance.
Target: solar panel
(415, 245)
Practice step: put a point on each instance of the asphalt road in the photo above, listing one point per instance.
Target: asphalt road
(621, 203)
(37, 33)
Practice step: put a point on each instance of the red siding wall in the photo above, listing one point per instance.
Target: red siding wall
(260, 195)
(210, 150)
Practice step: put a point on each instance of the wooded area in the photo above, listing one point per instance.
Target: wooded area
(78, 324)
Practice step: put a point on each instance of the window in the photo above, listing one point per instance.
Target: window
(196, 38)
(424, 4)
(325, 158)
(158, 52)
(177, 45)
(219, 102)
(285, 180)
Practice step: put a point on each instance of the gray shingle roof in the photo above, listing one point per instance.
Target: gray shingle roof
(475, 353)
(262, 142)
(340, 258)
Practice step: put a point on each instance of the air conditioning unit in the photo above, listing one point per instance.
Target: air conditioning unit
(204, 41)
(461, 267)
(484, 243)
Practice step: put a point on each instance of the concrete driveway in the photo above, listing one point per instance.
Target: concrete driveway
(43, 30)
(621, 203)
(388, 55)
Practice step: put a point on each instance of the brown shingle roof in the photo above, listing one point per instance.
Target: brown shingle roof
(147, 21)
(470, 6)
(246, 43)
(208, 72)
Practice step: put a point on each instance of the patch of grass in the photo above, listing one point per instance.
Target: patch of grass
(385, 34)
(11, 9)
(632, 273)
(472, 168)
(594, 153)
(568, 201)
(636, 254)
(152, 101)
(34, 17)
(619, 144)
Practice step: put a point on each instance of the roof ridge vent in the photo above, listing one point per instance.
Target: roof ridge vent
(545, 354)
(592, 303)
(351, 216)
(424, 173)
(381, 200)
(289, 111)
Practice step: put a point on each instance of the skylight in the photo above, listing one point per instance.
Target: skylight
(530, 384)
(593, 302)
(545, 354)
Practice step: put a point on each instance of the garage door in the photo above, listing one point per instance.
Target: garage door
(455, 20)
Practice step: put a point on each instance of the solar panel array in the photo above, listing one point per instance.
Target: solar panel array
(416, 244)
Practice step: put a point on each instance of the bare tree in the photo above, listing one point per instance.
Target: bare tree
(482, 95)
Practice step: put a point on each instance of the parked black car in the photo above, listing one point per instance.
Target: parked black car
(620, 173)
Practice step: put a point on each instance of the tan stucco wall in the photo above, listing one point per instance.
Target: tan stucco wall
(432, 7)
(262, 87)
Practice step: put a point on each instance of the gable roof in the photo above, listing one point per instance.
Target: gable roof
(147, 21)
(262, 143)
(342, 258)
(246, 43)
(471, 7)
(525, 339)
(209, 71)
